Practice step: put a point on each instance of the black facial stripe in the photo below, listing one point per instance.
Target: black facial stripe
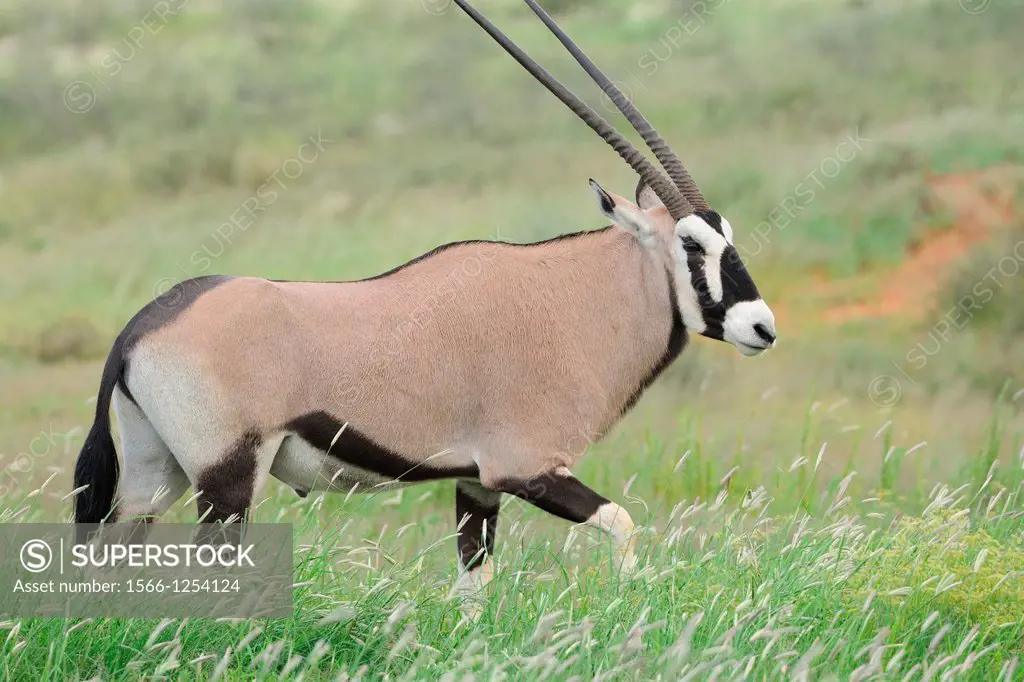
(737, 284)
(699, 283)
(713, 328)
(712, 313)
(692, 246)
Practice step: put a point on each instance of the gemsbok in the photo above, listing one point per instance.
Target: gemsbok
(480, 361)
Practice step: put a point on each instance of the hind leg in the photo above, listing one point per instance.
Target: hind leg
(152, 480)
(217, 441)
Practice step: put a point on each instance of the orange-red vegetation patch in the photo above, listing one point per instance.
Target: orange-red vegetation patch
(982, 202)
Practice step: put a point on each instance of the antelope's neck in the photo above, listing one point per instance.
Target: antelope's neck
(631, 327)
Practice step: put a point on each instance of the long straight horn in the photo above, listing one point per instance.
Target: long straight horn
(674, 201)
(680, 176)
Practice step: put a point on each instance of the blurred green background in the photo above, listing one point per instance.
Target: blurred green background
(867, 153)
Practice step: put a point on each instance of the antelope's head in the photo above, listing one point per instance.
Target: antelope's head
(715, 295)
(714, 292)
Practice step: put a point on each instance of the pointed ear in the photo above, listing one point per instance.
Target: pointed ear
(625, 214)
(645, 196)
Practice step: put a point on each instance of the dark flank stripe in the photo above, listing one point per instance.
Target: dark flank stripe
(352, 447)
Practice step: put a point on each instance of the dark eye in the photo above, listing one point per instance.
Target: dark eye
(692, 246)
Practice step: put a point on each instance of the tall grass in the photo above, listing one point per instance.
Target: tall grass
(723, 590)
(789, 527)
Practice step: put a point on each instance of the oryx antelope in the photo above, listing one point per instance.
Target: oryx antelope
(506, 354)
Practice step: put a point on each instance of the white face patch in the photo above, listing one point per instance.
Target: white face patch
(713, 275)
(740, 326)
(686, 295)
(713, 244)
(694, 226)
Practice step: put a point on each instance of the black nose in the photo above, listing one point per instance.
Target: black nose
(763, 332)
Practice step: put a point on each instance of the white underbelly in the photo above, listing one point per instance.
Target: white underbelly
(305, 468)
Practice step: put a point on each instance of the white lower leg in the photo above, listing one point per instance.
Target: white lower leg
(469, 588)
(614, 520)
(474, 580)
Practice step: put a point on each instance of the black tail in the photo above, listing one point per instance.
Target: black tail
(97, 465)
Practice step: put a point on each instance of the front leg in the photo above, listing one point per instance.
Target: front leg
(476, 513)
(563, 495)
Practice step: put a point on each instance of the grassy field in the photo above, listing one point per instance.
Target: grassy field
(848, 506)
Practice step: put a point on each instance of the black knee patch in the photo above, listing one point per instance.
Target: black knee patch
(227, 487)
(563, 496)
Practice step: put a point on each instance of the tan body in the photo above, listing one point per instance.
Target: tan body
(495, 364)
(509, 364)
